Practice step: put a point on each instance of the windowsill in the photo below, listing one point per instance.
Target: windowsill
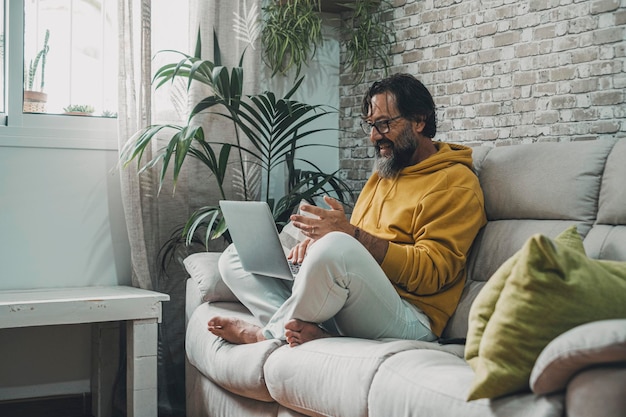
(58, 131)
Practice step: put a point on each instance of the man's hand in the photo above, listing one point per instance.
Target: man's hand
(297, 253)
(321, 221)
(318, 222)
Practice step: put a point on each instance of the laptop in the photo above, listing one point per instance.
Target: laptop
(254, 234)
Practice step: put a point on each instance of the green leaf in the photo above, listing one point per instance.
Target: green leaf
(198, 51)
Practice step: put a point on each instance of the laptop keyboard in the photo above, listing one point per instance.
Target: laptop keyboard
(294, 268)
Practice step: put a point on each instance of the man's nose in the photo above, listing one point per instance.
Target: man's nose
(375, 135)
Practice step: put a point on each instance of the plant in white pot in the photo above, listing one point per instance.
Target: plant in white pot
(35, 99)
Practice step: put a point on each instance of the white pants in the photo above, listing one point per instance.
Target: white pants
(339, 284)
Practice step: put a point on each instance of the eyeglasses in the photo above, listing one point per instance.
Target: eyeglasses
(382, 126)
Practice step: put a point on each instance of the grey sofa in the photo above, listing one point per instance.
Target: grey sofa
(531, 188)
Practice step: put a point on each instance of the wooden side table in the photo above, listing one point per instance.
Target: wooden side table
(141, 309)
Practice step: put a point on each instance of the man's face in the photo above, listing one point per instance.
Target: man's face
(396, 147)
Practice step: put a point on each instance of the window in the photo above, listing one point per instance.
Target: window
(70, 56)
(80, 69)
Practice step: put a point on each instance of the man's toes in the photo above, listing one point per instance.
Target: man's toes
(294, 325)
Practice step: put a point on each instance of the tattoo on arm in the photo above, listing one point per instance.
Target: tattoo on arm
(377, 247)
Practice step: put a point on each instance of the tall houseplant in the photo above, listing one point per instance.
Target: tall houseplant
(35, 99)
(274, 129)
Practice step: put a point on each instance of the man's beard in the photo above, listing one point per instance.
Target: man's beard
(402, 152)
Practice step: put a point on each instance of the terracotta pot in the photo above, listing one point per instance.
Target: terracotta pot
(35, 101)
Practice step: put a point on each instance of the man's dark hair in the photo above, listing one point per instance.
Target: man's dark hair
(413, 100)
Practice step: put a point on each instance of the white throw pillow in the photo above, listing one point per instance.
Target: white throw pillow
(594, 343)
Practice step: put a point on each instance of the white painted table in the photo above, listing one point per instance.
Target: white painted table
(141, 309)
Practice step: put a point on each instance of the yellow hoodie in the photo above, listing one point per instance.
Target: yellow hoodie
(430, 213)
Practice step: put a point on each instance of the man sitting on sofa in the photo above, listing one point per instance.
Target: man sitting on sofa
(397, 268)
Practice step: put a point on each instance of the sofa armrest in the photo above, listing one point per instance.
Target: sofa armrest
(193, 299)
(597, 391)
(597, 343)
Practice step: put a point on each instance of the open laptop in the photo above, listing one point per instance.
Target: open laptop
(252, 228)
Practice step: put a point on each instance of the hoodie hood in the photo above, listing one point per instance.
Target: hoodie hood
(448, 154)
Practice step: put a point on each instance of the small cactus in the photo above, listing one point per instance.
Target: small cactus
(32, 68)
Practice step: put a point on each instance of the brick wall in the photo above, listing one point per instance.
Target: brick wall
(503, 72)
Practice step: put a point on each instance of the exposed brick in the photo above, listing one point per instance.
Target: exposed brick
(524, 78)
(611, 35)
(545, 32)
(584, 55)
(538, 5)
(487, 29)
(602, 6)
(605, 127)
(607, 98)
(442, 52)
(563, 102)
(468, 99)
(605, 68)
(582, 24)
(526, 49)
(488, 109)
(545, 118)
(584, 86)
(504, 72)
(560, 74)
(492, 55)
(584, 114)
(564, 43)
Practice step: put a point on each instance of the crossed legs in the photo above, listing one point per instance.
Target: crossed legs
(338, 281)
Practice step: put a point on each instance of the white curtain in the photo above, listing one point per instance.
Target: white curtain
(152, 218)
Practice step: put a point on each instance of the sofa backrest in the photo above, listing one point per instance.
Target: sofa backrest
(544, 188)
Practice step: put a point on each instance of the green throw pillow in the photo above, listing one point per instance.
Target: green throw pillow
(545, 289)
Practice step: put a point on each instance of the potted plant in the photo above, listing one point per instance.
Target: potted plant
(35, 100)
(291, 32)
(274, 128)
(366, 37)
(79, 109)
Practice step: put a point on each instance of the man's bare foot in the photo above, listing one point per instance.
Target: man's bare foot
(298, 332)
(235, 330)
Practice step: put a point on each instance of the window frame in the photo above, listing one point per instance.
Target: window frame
(42, 130)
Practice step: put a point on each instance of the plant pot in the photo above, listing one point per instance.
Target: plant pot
(35, 101)
(77, 113)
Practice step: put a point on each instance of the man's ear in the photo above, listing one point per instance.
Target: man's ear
(418, 127)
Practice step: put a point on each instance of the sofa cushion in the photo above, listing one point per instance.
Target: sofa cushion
(590, 344)
(332, 376)
(545, 289)
(431, 383)
(501, 239)
(202, 269)
(513, 179)
(236, 368)
(613, 193)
